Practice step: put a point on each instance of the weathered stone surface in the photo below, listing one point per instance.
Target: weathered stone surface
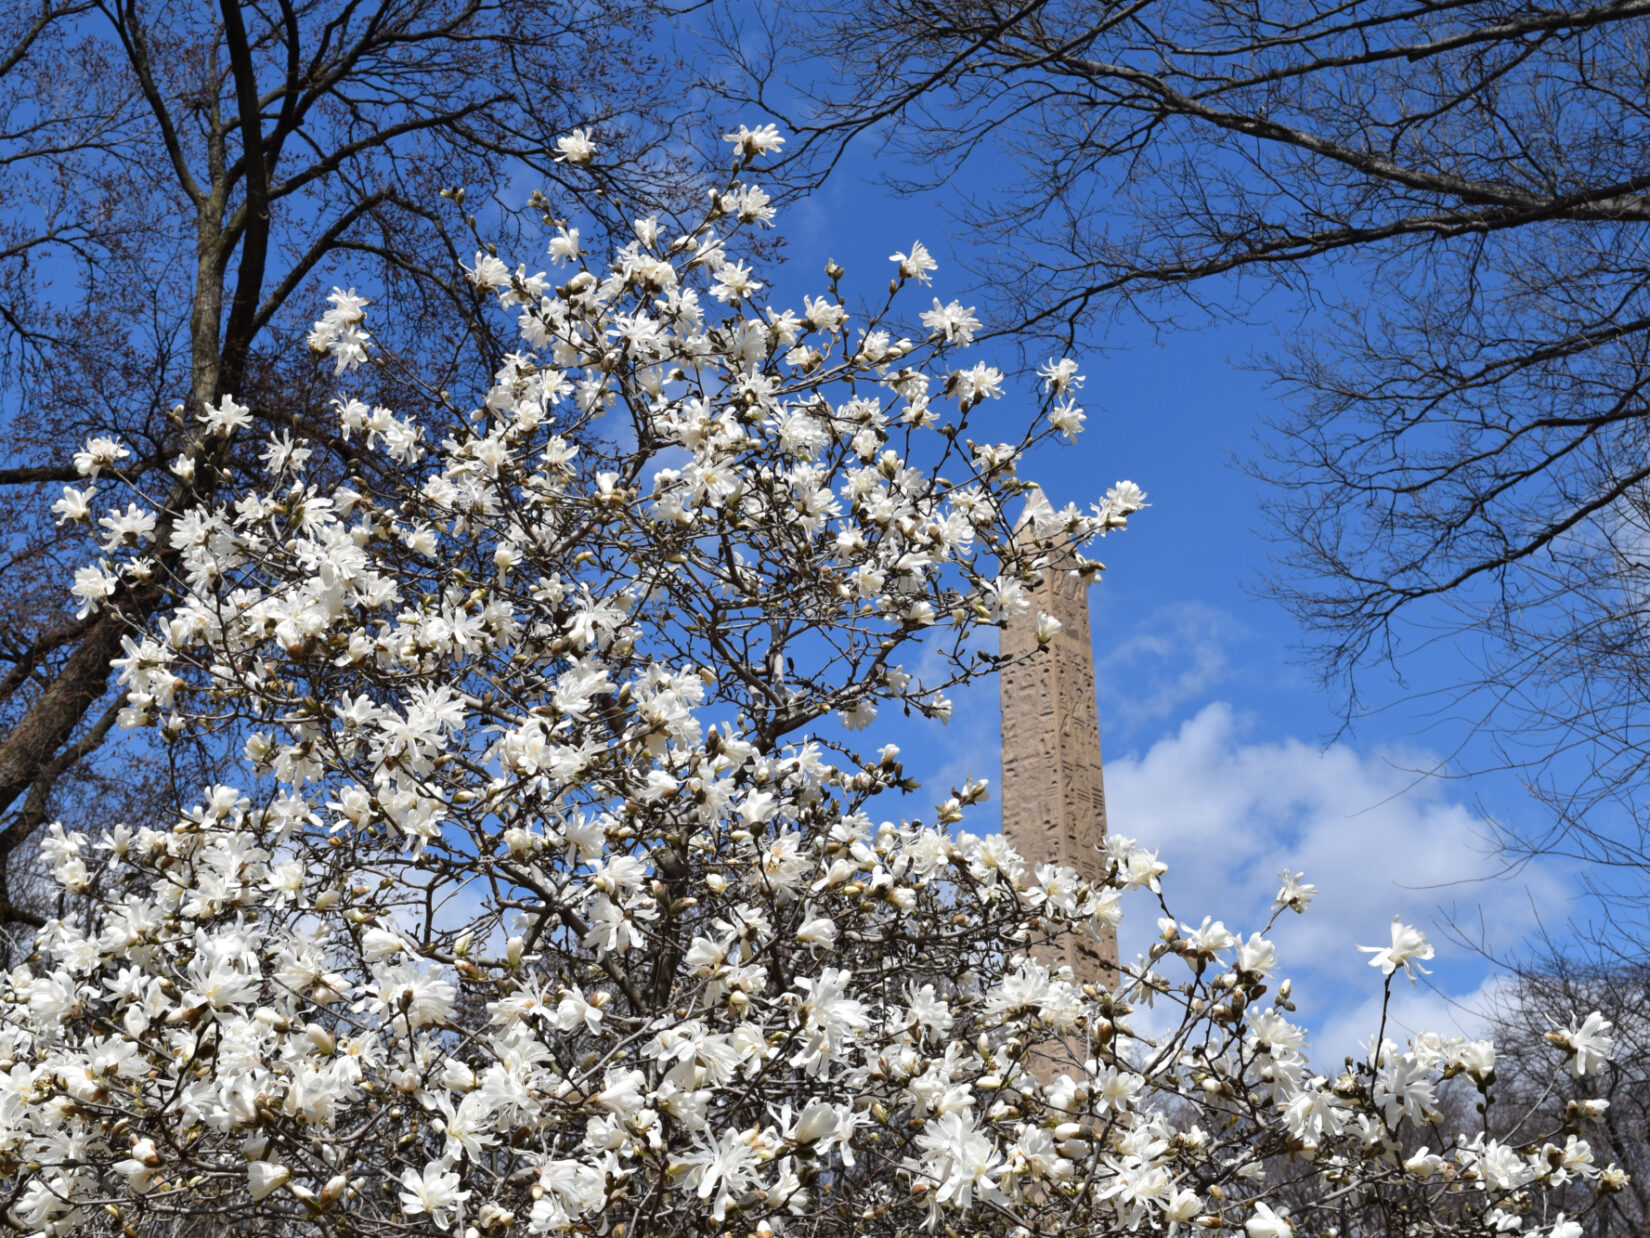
(1053, 795)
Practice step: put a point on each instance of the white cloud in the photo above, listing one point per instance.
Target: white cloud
(1228, 812)
(1347, 1031)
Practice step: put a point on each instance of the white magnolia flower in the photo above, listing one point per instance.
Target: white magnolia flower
(575, 147)
(1589, 1045)
(762, 140)
(263, 1178)
(225, 417)
(918, 264)
(1409, 945)
(1267, 1224)
(98, 454)
(434, 1193)
(75, 505)
(1060, 376)
(1294, 893)
(952, 322)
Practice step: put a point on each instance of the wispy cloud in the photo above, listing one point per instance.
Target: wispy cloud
(1173, 656)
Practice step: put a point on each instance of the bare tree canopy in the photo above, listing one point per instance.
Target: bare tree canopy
(1522, 1022)
(1457, 191)
(178, 182)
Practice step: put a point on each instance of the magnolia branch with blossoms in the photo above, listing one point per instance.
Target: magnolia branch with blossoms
(555, 896)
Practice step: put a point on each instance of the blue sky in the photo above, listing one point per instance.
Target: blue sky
(1220, 746)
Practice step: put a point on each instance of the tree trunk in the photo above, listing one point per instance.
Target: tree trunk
(48, 725)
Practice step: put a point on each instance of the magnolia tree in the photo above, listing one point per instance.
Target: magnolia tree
(553, 895)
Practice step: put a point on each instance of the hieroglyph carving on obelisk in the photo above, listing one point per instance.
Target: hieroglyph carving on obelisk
(1053, 796)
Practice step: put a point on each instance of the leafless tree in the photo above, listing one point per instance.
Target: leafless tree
(1456, 190)
(178, 184)
(1546, 998)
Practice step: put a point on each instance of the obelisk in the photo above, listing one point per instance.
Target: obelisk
(1053, 795)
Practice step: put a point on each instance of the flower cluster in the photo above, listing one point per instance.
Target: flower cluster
(555, 896)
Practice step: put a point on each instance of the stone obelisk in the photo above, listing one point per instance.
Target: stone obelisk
(1053, 796)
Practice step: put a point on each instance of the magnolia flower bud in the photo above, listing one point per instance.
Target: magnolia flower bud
(494, 1217)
